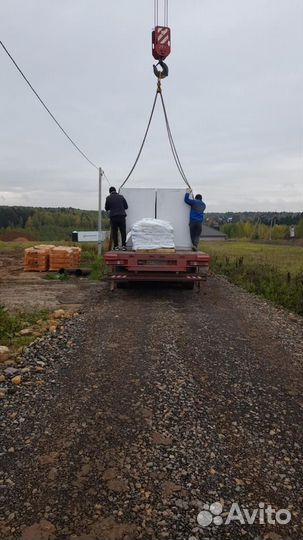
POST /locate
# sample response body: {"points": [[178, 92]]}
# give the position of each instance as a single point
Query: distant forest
{"points": [[59, 223], [47, 223], [257, 225], [215, 219]]}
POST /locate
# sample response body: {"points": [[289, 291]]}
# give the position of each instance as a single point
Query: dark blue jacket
{"points": [[197, 208], [116, 205]]}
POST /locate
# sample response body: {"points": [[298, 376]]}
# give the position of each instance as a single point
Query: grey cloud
{"points": [[233, 97]]}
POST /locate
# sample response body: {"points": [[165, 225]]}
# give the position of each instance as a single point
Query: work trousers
{"points": [[195, 228], [118, 223]]}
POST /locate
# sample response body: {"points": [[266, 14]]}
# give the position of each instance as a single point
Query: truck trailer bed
{"points": [[188, 267]]}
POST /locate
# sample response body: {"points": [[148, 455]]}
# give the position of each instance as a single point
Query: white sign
{"points": [[90, 236]]}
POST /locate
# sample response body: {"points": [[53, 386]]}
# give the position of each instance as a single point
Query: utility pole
{"points": [[100, 212]]}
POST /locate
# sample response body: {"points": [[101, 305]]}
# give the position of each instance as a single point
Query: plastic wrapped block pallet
{"points": [[36, 260], [152, 234]]}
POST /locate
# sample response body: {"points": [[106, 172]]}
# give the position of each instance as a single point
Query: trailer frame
{"points": [[188, 267]]}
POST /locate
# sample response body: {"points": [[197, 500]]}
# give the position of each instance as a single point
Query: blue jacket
{"points": [[197, 208]]}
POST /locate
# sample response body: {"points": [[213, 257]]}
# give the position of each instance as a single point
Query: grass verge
{"points": [[275, 272], [12, 324], [91, 259]]}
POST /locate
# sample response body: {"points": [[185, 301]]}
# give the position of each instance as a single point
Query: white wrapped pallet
{"points": [[149, 234]]}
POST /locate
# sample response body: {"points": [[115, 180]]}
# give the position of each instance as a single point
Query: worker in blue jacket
{"points": [[196, 217]]}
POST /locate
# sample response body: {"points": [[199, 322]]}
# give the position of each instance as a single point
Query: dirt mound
{"points": [[12, 236]]}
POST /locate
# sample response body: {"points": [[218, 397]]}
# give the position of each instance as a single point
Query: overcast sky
{"points": [[233, 96]]}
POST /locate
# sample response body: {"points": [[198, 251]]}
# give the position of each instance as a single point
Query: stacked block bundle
{"points": [[42, 258], [36, 260], [152, 235], [64, 257]]}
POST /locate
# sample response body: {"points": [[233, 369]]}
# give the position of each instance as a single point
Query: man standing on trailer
{"points": [[116, 205], [196, 217]]}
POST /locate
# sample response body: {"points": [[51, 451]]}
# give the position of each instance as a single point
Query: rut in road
{"points": [[164, 400]]}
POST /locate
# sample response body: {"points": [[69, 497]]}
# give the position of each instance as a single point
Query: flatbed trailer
{"points": [[187, 267]]}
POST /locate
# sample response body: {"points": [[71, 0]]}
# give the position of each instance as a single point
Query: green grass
{"points": [[52, 276], [11, 324], [91, 259], [8, 247], [273, 271]]}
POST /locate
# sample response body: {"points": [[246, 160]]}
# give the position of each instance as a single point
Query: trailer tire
{"points": [[122, 285], [188, 286]]}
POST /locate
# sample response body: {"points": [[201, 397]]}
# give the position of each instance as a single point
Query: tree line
{"points": [[215, 219], [59, 223], [260, 231], [48, 223]]}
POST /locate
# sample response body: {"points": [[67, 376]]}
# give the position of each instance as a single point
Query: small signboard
{"points": [[88, 236]]}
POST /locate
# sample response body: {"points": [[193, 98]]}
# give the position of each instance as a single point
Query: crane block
{"points": [[161, 44]]}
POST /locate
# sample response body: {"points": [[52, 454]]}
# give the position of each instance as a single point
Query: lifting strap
{"points": [[170, 138]]}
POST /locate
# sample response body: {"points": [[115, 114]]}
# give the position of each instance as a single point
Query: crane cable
{"points": [[170, 138], [143, 142], [49, 112], [159, 91], [156, 13], [173, 146], [165, 12]]}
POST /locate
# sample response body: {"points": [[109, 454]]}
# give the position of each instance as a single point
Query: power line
{"points": [[106, 178], [47, 109]]}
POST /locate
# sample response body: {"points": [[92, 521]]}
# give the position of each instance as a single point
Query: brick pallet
{"points": [[36, 260], [64, 257], [42, 258]]}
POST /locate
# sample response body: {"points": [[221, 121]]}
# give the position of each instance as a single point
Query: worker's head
{"points": [[198, 197], [112, 189]]}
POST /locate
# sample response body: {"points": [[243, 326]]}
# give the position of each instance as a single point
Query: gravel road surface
{"points": [[149, 405]]}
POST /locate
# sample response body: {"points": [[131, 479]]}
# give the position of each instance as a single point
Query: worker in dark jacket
{"points": [[116, 205], [196, 218]]}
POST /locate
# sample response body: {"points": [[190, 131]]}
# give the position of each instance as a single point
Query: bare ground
{"points": [[30, 291], [154, 402]]}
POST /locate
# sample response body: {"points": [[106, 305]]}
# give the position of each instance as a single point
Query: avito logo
{"points": [[264, 514]]}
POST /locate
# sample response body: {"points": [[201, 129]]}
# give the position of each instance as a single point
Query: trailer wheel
{"points": [[112, 285], [189, 286], [122, 285]]}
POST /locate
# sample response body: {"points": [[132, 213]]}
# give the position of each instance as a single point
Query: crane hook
{"points": [[161, 74]]}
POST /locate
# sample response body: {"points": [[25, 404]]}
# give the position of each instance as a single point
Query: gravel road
{"points": [[149, 405]]}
